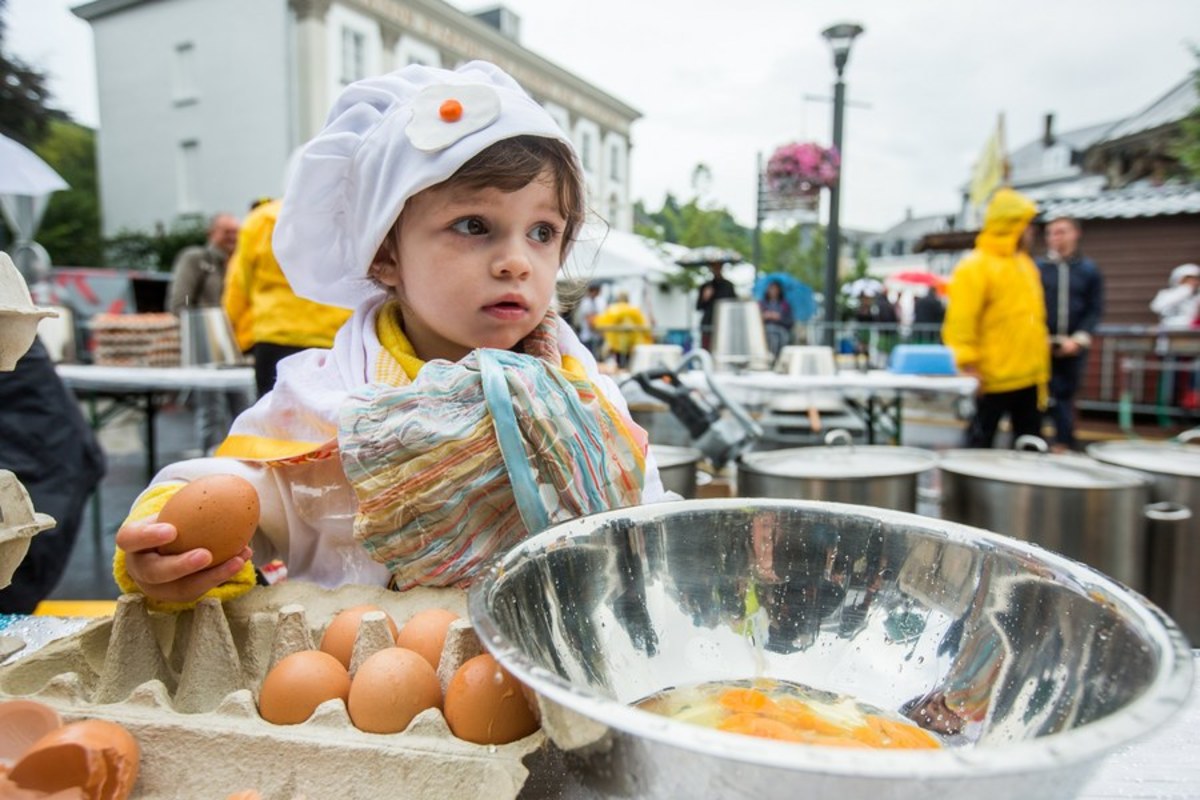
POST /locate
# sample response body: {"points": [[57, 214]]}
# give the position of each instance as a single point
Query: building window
{"points": [[614, 170], [188, 176], [183, 73], [585, 151], [353, 55]]}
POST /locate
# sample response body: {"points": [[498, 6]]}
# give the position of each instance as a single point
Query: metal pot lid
{"points": [[1065, 471], [667, 456], [834, 463], [1162, 458]]}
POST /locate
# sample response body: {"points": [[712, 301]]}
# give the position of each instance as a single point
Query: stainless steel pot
{"points": [[677, 467], [1052, 664], [1071, 504], [1174, 532], [875, 475]]}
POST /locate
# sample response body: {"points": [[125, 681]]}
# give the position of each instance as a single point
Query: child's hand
{"points": [[180, 578]]}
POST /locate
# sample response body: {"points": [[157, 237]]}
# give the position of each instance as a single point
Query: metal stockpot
{"points": [[677, 468], [884, 477], [1071, 504], [1174, 531]]}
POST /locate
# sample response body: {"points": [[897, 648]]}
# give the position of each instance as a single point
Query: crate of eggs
{"points": [[136, 340], [297, 691]]}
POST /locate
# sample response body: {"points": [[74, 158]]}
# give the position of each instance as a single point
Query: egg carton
{"points": [[18, 524], [185, 685]]}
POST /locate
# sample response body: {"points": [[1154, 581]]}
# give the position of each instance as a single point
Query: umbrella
{"points": [[863, 286], [704, 256], [915, 277], [25, 183], [23, 173], [797, 293]]}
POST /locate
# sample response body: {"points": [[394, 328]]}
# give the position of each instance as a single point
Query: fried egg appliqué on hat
{"points": [[443, 114]]}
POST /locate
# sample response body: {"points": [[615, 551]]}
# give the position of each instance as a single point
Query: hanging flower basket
{"points": [[802, 169]]}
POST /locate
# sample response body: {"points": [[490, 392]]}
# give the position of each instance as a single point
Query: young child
{"points": [[440, 206]]}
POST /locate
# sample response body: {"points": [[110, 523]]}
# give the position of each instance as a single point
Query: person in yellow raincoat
{"points": [[996, 322], [268, 318], [624, 327]]}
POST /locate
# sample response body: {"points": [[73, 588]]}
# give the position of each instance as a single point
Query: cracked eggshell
{"points": [[23, 722], [100, 757]]}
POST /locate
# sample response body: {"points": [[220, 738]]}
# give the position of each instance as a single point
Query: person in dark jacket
{"points": [[719, 288], [47, 444], [1074, 290]]}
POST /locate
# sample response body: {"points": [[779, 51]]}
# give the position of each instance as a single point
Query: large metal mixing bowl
{"points": [[1043, 664]]}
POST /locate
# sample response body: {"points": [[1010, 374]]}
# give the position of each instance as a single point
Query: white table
{"points": [[90, 377], [143, 389], [875, 396]]}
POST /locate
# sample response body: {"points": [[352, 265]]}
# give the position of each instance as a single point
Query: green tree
{"points": [[155, 251], [70, 230], [1187, 149], [25, 111]]}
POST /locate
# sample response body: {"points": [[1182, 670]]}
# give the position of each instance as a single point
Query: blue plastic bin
{"points": [[922, 359]]}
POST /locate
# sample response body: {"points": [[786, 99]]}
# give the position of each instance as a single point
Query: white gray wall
{"points": [[232, 104]]}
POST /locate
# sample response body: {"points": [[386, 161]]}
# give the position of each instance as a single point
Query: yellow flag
{"points": [[991, 170]]}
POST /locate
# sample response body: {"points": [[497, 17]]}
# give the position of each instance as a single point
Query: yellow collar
{"points": [[398, 362]]}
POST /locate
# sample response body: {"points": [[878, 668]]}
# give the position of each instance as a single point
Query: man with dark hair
{"points": [[1074, 292]]}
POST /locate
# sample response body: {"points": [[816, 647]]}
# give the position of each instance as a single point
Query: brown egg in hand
{"points": [[486, 705], [425, 633], [216, 512], [339, 636], [298, 684], [390, 688]]}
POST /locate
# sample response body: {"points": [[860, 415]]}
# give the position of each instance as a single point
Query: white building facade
{"points": [[203, 101]]}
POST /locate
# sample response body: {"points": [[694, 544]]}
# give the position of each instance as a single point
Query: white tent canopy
{"points": [[603, 254]]}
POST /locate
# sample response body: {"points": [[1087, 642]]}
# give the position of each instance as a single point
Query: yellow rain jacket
{"points": [[627, 327], [260, 301], [996, 315]]}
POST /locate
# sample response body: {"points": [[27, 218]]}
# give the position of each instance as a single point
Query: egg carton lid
{"points": [[140, 669]]}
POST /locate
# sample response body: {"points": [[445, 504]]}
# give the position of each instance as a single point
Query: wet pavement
{"points": [[930, 423]]}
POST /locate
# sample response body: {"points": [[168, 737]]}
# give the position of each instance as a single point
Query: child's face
{"points": [[477, 266]]}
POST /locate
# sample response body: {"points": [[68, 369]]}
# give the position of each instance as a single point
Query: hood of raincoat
{"points": [[1007, 216]]}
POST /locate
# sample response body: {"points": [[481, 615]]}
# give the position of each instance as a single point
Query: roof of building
{"points": [[1137, 200], [1027, 164], [1171, 107], [911, 229]]}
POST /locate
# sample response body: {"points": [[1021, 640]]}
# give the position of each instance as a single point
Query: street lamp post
{"points": [[840, 38]]}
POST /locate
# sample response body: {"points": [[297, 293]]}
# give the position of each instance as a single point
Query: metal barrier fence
{"points": [[1132, 369]]}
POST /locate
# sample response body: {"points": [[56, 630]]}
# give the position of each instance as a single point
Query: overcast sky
{"points": [[718, 82]]}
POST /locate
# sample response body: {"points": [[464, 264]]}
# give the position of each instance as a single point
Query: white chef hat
{"points": [[386, 139], [1184, 271]]}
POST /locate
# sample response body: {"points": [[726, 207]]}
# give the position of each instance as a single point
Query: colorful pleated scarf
{"points": [[471, 457]]}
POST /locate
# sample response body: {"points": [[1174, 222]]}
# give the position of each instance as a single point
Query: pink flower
{"points": [[802, 168]]}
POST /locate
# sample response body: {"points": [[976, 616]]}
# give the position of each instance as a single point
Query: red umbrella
{"points": [[916, 277]]}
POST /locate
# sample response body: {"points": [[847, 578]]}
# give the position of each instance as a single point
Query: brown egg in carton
{"points": [[185, 685]]}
